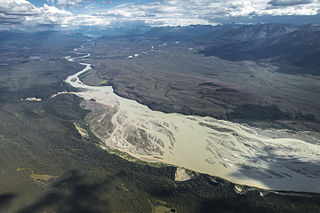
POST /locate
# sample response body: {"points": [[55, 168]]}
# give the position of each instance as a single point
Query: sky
{"points": [[27, 14]]}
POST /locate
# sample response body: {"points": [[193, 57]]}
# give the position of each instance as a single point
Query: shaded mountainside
{"points": [[296, 48]]}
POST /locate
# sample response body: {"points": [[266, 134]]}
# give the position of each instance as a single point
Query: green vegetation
{"points": [[47, 166], [43, 140], [257, 112], [130, 158]]}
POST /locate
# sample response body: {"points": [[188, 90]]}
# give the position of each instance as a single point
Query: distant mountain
{"points": [[295, 48], [48, 34], [43, 41], [182, 33], [114, 31], [233, 32], [257, 32]]}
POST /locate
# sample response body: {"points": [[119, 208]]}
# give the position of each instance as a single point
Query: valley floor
{"points": [[270, 159]]}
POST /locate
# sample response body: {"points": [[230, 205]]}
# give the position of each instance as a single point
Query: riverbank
{"points": [[240, 154]]}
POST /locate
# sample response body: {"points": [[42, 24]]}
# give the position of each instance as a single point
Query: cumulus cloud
{"points": [[68, 3], [289, 2], [17, 7], [186, 12], [14, 12], [159, 13], [48, 15], [17, 13], [23, 12]]}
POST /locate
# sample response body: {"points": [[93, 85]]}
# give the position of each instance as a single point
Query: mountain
{"points": [[296, 49], [293, 48], [43, 41]]}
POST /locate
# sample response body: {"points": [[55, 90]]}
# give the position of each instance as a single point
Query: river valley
{"points": [[269, 159]]}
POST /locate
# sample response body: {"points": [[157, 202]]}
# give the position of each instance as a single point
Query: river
{"points": [[238, 153]]}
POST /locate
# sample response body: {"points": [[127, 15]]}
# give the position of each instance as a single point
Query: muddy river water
{"points": [[241, 154]]}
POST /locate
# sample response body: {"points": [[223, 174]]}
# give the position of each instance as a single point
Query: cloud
{"points": [[68, 3], [23, 14], [155, 13], [17, 7], [13, 13], [159, 13], [186, 12], [48, 15], [285, 3]]}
